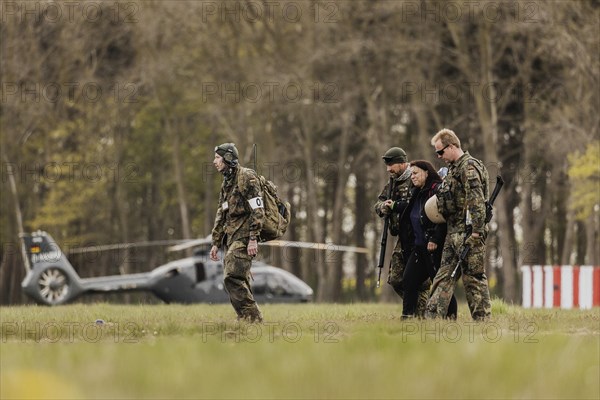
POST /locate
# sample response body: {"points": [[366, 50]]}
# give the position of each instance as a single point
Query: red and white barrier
{"points": [[563, 286]]}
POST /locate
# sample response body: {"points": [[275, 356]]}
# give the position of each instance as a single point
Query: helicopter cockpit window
{"points": [[200, 272], [259, 284], [278, 285]]}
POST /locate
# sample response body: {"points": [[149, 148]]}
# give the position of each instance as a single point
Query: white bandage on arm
{"points": [[256, 202]]}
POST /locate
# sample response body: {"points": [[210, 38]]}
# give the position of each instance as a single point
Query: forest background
{"points": [[110, 112]]}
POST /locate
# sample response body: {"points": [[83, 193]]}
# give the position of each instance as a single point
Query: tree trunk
{"points": [[581, 243], [10, 271], [180, 180], [341, 179], [591, 231], [424, 149], [209, 195], [121, 203], [291, 255], [312, 210], [567, 249], [360, 206]]}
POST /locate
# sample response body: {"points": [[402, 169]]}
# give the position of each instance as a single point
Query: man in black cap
{"points": [[398, 167], [237, 227]]}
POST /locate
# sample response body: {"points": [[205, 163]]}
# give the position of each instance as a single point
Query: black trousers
{"points": [[419, 267]]}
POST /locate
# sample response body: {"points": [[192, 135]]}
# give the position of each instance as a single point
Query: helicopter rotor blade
{"points": [[316, 246], [186, 244], [123, 246], [178, 245]]}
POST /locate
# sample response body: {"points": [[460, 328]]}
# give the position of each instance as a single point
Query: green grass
{"points": [[301, 351]]}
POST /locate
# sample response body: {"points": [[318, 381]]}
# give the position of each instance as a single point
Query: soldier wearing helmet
{"points": [[395, 207], [238, 222]]}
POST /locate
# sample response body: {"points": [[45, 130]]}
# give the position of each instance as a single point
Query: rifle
{"points": [[488, 217], [384, 235]]}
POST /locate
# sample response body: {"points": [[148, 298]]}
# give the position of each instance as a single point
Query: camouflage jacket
{"points": [[463, 194], [240, 213], [401, 196]]}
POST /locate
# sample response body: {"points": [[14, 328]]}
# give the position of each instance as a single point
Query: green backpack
{"points": [[277, 212]]}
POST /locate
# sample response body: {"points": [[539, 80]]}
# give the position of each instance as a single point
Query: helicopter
{"points": [[52, 280]]}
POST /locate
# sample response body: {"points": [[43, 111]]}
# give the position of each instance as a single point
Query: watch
{"points": [[252, 238]]}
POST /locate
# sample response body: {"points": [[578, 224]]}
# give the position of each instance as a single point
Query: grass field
{"points": [[301, 351]]}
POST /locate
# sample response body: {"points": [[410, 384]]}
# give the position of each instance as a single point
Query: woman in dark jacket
{"points": [[426, 254]]}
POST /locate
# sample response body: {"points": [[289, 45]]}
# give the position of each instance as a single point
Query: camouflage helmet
{"points": [[395, 155], [229, 153]]}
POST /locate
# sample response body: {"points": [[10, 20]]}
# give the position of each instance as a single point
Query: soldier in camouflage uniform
{"points": [[461, 200], [397, 165], [237, 227]]}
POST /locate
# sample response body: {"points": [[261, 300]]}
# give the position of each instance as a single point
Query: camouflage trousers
{"points": [[237, 265], [395, 278], [473, 277]]}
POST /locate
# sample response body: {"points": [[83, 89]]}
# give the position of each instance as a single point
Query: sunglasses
{"points": [[441, 151]]}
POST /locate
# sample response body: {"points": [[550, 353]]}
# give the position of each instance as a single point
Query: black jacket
{"points": [[435, 233]]}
